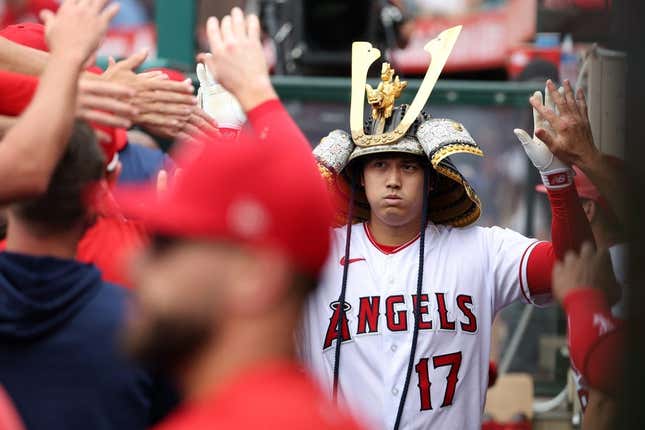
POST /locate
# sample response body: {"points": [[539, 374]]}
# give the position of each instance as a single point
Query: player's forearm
{"points": [[610, 179], [21, 59], [569, 230], [31, 149], [596, 339], [569, 225]]}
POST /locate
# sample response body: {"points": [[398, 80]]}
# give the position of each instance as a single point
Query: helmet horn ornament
{"points": [[363, 55]]}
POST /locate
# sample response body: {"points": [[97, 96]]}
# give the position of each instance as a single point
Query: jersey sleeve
{"points": [[596, 339], [508, 255]]}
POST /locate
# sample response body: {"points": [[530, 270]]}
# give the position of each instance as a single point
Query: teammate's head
{"points": [[605, 225], [231, 261], [393, 184], [63, 208]]}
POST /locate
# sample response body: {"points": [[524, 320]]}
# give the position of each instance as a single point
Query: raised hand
{"points": [[105, 103], [78, 27], [237, 60], [566, 133], [218, 103], [590, 268], [555, 173], [200, 126], [160, 102]]}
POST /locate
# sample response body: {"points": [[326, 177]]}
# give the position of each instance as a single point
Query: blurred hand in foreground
{"points": [[237, 60]]}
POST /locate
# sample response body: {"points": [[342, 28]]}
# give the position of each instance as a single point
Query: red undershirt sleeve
{"points": [[569, 230], [596, 339]]}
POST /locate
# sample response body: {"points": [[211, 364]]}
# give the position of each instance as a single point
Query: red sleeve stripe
{"points": [[524, 284]]}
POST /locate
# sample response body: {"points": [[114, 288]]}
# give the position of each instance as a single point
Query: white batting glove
{"points": [[555, 174], [221, 105]]}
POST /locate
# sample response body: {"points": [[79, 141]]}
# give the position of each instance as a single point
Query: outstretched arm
{"points": [[569, 227], [596, 338], [608, 176], [30, 150], [21, 59], [237, 63]]}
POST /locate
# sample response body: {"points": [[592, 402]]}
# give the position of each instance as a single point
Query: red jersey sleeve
{"points": [[569, 230], [596, 339]]}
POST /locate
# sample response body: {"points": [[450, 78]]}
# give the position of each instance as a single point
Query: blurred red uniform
{"points": [[25, 11], [283, 397]]}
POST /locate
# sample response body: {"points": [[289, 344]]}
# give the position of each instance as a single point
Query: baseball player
{"points": [[596, 335], [586, 285], [400, 326]]}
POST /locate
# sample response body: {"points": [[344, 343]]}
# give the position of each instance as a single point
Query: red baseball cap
{"points": [[247, 192], [31, 34]]}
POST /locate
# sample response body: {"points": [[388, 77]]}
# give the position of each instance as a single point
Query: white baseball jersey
{"points": [[469, 275]]}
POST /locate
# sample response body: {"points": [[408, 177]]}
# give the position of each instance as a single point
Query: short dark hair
{"points": [[62, 206]]}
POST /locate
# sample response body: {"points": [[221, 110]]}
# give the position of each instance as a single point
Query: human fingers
{"points": [[193, 131], [214, 34], [104, 88], [166, 97], [169, 86], [543, 110], [238, 23], [155, 74], [228, 37], [581, 102], [175, 109], [134, 60], [569, 96], [201, 118], [253, 27], [156, 120], [537, 118], [109, 13], [558, 99], [104, 118], [108, 104]]}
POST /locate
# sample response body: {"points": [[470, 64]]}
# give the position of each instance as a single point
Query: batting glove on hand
{"points": [[334, 150], [221, 105], [555, 173]]}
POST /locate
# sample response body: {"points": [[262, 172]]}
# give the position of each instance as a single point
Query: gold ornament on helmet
{"points": [[363, 55], [405, 129]]}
